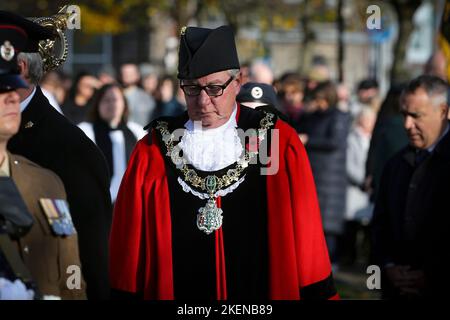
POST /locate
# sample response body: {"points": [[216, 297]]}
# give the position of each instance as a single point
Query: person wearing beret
{"points": [[254, 95], [50, 247], [200, 215], [49, 139], [263, 97]]}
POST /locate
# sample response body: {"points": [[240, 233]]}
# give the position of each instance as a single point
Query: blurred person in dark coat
{"points": [[49, 139], [77, 105], [324, 133], [388, 138], [167, 104], [410, 223]]}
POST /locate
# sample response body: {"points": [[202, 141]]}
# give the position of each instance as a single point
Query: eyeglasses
{"points": [[212, 90]]}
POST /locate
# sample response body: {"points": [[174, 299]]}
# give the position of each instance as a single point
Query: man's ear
{"points": [[238, 84], [444, 110], [23, 67]]}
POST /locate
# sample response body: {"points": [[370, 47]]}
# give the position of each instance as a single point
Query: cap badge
{"points": [[29, 125], [256, 92], [7, 51]]}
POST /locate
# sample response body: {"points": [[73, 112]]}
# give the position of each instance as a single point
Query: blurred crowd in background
{"points": [[349, 132]]}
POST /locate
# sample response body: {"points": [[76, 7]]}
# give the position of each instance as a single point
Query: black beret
{"points": [[12, 40], [257, 92], [34, 31], [204, 51]]}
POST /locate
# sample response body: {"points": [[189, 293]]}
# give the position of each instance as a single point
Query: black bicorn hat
{"points": [[34, 31], [204, 51], [12, 41], [260, 93]]}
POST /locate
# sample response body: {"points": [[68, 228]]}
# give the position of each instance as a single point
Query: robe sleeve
{"points": [[140, 242], [299, 253]]}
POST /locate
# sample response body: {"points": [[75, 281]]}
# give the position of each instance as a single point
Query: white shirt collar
{"points": [[4, 167], [24, 103], [431, 148]]}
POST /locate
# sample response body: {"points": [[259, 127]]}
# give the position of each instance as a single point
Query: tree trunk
{"points": [[340, 53], [306, 32], [183, 11], [405, 13]]}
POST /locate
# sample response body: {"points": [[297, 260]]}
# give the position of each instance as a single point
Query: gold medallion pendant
{"points": [[209, 217]]}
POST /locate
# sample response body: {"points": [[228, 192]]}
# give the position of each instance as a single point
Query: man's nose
{"points": [[408, 122], [203, 97], [13, 97]]}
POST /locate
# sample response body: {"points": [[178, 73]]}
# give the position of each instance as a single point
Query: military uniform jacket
{"points": [[47, 138], [45, 254]]}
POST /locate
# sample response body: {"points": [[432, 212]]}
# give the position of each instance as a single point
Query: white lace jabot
{"points": [[211, 149]]}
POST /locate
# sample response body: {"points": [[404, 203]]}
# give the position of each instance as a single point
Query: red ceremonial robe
{"points": [[140, 242]]}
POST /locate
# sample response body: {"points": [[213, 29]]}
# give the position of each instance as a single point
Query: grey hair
{"points": [[34, 62], [231, 72], [234, 72], [435, 87]]}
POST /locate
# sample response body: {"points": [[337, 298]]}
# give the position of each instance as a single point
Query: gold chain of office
{"points": [[212, 183]]}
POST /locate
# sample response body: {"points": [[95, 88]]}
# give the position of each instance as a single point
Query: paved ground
{"points": [[351, 283]]}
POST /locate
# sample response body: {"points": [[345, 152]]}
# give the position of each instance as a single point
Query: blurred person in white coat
{"points": [[359, 210]]}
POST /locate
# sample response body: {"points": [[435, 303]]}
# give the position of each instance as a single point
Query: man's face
{"points": [[293, 96], [130, 74], [112, 106], [212, 111], [9, 114], [423, 121], [366, 95]]}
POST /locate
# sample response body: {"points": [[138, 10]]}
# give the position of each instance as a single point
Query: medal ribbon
{"points": [[221, 279]]}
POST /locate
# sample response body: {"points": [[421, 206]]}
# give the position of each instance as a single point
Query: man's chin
{"points": [[416, 144], [208, 120], [7, 134]]}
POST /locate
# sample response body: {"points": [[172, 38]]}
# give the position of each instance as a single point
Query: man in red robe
{"points": [[201, 213]]}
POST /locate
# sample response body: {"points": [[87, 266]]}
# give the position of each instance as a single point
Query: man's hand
{"points": [[409, 282], [367, 184], [398, 276], [417, 280]]}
